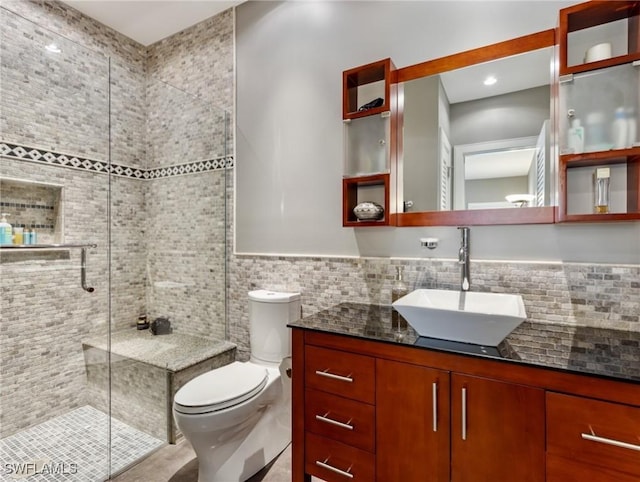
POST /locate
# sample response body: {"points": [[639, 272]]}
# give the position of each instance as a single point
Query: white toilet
{"points": [[238, 417]]}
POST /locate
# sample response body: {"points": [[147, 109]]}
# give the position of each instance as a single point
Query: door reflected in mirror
{"points": [[478, 137]]}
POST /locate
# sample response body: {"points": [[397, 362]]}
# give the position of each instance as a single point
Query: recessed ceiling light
{"points": [[53, 48], [490, 80]]}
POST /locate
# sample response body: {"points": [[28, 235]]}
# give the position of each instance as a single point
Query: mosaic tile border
{"points": [[51, 158]]}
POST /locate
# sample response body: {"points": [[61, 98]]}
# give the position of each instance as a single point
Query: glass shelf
{"points": [[43, 247]]}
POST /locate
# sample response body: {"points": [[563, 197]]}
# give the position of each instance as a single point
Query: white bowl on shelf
{"points": [[598, 52]]}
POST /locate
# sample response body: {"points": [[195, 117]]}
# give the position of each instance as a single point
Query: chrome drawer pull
{"points": [[325, 465], [327, 374], [324, 418], [434, 394], [608, 441], [464, 414]]}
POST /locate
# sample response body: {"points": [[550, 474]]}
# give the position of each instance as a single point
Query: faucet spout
{"points": [[464, 260]]}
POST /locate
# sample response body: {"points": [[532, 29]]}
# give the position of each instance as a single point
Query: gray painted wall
{"points": [[290, 57]]}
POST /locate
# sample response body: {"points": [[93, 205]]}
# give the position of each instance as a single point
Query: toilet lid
{"points": [[221, 388]]}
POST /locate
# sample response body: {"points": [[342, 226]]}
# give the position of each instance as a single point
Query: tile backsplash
{"points": [[574, 294]]}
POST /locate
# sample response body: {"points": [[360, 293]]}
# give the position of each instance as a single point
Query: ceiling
{"points": [[514, 73], [148, 21]]}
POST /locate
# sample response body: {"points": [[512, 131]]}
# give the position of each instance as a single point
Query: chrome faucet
{"points": [[463, 259]]}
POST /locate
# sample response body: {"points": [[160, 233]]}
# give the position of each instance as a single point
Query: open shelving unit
{"points": [[369, 140], [591, 89]]}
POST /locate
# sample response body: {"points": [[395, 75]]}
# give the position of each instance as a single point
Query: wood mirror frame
{"points": [[477, 217]]}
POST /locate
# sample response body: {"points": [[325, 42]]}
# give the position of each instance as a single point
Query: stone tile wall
{"points": [[47, 312], [186, 252], [199, 60], [127, 77], [605, 296]]}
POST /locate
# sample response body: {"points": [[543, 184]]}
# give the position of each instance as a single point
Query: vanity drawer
{"points": [[340, 419], [560, 469], [345, 374], [598, 433], [336, 462]]}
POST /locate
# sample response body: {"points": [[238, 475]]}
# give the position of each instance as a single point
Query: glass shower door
{"points": [[54, 276]]}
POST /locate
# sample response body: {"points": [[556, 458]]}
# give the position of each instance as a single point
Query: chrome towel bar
{"points": [[61, 246]]}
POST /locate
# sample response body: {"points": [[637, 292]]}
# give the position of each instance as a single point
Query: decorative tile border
{"points": [[42, 156]]}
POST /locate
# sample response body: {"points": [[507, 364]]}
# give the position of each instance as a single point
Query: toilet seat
{"points": [[221, 388]]}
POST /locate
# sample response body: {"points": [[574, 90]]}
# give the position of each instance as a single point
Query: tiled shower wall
{"points": [[167, 197]]}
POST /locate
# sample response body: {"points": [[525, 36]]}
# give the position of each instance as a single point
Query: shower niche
{"points": [[35, 206]]}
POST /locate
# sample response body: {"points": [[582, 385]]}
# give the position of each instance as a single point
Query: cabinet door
{"points": [[497, 431], [594, 433], [412, 423]]}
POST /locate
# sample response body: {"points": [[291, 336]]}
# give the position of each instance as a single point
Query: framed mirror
{"points": [[475, 142]]}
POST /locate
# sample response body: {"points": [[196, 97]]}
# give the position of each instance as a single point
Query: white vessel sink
{"points": [[480, 318]]}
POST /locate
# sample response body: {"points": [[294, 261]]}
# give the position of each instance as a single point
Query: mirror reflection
{"points": [[478, 137]]}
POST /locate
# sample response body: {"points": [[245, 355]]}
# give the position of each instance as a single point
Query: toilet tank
{"points": [[269, 313]]}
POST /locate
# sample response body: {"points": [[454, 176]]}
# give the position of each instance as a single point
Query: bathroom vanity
{"points": [[551, 402]]}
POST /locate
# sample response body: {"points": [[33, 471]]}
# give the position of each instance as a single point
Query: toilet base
{"points": [[262, 445], [246, 443]]}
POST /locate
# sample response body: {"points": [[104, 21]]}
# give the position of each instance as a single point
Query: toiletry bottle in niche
{"points": [[142, 323], [18, 235], [601, 187], [6, 232], [398, 290]]}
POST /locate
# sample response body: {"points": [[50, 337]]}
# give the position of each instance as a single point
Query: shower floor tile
{"points": [[72, 447]]}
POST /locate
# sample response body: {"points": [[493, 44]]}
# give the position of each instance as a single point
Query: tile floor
{"points": [[72, 447], [177, 463]]}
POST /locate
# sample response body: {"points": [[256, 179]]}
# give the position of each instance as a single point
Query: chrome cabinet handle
{"points": [[434, 396], [328, 374], [464, 414], [325, 465], [608, 441], [326, 419]]}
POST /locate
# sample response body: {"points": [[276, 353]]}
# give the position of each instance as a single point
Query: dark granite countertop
{"points": [[585, 350]]}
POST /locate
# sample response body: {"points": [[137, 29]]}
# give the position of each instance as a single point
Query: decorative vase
{"points": [[368, 211]]}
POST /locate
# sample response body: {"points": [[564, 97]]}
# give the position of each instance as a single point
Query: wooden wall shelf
{"points": [[629, 157], [351, 197], [594, 14], [354, 79]]}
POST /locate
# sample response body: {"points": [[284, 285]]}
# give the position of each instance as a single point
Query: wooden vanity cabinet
{"points": [[497, 430], [591, 440], [438, 426], [419, 415], [409, 422], [412, 422]]}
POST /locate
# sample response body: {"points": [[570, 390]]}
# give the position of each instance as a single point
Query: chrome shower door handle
{"points": [[83, 271]]}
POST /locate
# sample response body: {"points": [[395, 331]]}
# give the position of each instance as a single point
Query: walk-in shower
{"points": [[124, 179]]}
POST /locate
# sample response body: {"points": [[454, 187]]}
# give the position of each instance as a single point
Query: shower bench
{"points": [[146, 372]]}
